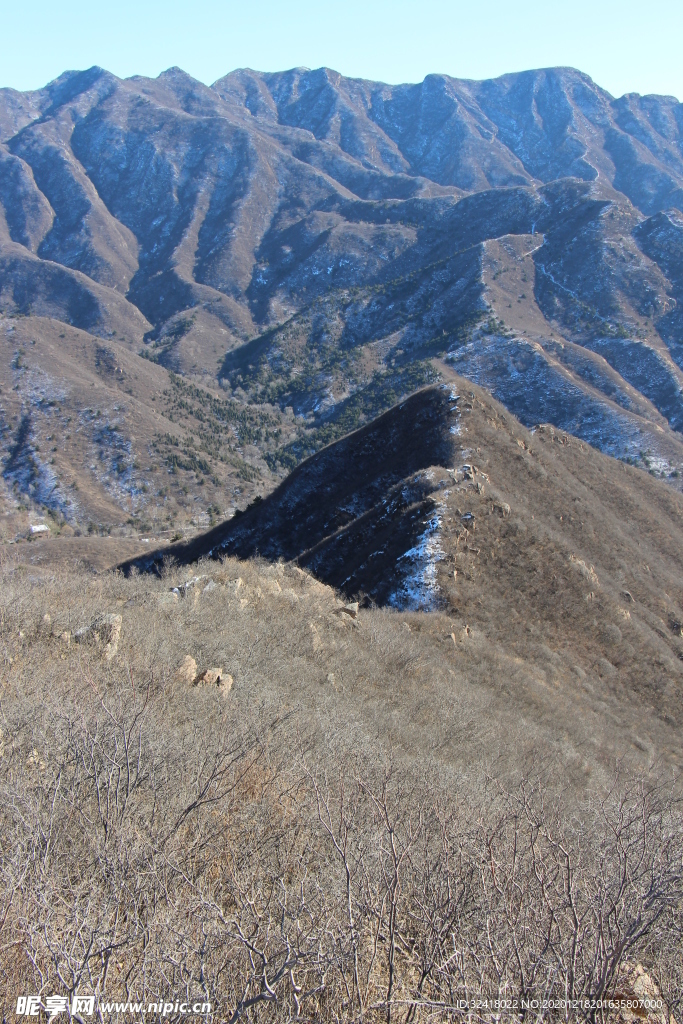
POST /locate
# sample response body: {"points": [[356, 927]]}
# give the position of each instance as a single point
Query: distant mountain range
{"points": [[310, 245]]}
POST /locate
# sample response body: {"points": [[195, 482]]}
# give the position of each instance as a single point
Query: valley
{"points": [[281, 258]]}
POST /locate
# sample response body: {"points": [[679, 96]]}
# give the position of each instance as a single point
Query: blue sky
{"points": [[625, 47]]}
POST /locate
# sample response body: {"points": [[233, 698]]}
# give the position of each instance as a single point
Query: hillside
{"points": [[353, 512], [236, 752], [300, 246], [183, 822], [341, 616], [548, 567]]}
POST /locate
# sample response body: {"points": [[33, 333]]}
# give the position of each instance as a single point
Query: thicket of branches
{"points": [[142, 858]]}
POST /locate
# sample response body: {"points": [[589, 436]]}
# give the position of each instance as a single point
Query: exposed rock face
{"points": [[321, 237], [187, 674], [214, 677], [105, 632], [640, 998], [187, 670]]}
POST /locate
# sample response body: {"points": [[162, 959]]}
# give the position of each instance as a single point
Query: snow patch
{"points": [[419, 589]]}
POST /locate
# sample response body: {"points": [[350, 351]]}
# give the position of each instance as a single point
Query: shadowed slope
{"points": [[353, 512]]}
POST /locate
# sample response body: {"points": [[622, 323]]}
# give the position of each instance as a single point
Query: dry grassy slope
{"points": [[584, 576], [565, 599], [386, 683], [97, 438], [383, 691]]}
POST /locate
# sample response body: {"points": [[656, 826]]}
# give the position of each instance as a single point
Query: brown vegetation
{"points": [[171, 344], [307, 844], [554, 579], [230, 781]]}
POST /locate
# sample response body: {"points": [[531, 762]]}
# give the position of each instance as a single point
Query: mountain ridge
{"points": [[530, 543], [307, 242]]}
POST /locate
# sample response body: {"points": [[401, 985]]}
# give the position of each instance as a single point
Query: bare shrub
{"points": [[217, 865], [156, 840]]}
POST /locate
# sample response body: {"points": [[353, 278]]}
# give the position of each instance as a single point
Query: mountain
{"points": [[555, 564], [506, 716], [343, 380], [278, 258], [358, 514]]}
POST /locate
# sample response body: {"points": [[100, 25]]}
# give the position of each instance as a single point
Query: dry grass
{"points": [[322, 841], [387, 813]]}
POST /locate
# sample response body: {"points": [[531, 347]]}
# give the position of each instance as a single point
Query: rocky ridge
{"points": [[305, 245]]}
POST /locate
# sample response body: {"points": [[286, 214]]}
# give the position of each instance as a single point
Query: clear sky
{"points": [[625, 46]]}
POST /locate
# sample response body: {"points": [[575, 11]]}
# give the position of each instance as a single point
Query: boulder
{"points": [[187, 670], [111, 628], [209, 677], [214, 677], [184, 588], [104, 631], [461, 635]]}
